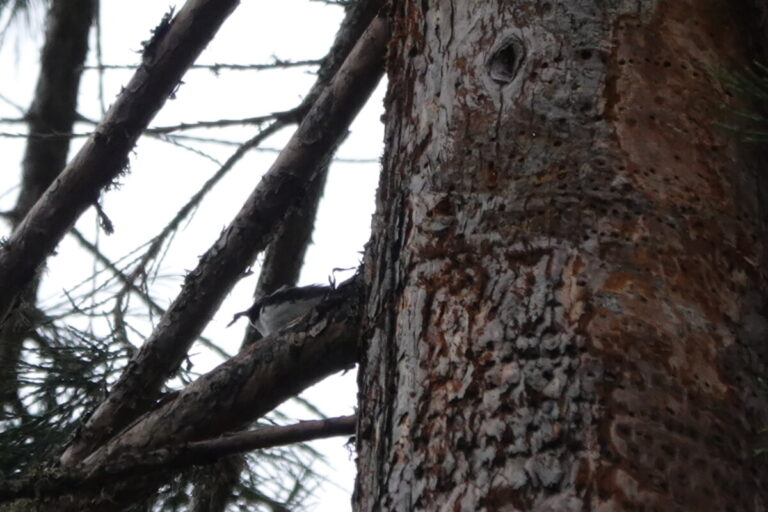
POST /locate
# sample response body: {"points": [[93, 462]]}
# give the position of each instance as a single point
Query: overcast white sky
{"points": [[163, 176]]}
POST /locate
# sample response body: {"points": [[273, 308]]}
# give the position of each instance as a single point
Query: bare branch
{"points": [[356, 21], [56, 483], [284, 257], [105, 154], [222, 265], [252, 383], [220, 123], [158, 241], [216, 67], [197, 197], [158, 130], [269, 437], [237, 392]]}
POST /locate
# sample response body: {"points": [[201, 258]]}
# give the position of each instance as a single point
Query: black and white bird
{"points": [[278, 309]]}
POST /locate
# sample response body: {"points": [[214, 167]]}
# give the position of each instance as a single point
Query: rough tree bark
{"points": [[567, 307]]}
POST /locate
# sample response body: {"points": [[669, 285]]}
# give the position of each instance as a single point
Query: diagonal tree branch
{"points": [[56, 483], [235, 393], [252, 383], [284, 257], [266, 437], [222, 265], [197, 197], [105, 154], [356, 21]]}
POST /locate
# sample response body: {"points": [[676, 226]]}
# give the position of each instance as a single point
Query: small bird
{"points": [[278, 309]]}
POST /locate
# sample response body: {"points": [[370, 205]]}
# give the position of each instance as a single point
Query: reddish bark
{"points": [[567, 307]]}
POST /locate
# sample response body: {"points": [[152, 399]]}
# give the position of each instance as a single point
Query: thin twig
{"points": [[128, 283], [218, 123], [277, 64]]}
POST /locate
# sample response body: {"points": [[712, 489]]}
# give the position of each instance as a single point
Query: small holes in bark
{"points": [[505, 60]]}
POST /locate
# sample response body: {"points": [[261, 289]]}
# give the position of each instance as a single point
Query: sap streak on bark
{"points": [[564, 266]]}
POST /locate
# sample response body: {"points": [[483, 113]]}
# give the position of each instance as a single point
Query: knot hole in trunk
{"points": [[506, 59]]}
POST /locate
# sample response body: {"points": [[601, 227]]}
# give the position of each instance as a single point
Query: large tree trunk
{"points": [[567, 309]]}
